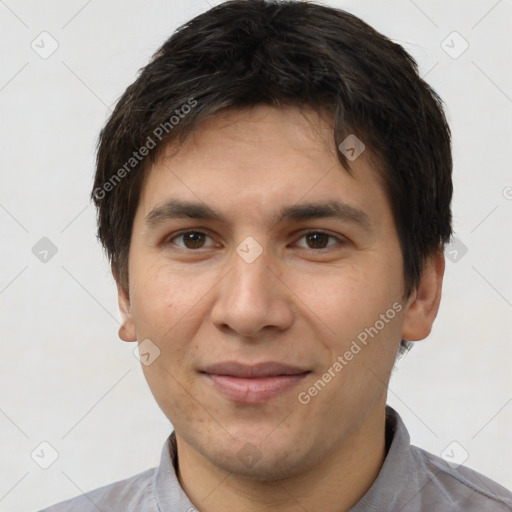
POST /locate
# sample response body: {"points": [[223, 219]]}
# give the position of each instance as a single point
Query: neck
{"points": [[337, 483]]}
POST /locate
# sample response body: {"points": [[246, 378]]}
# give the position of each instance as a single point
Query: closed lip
{"points": [[258, 370], [253, 383]]}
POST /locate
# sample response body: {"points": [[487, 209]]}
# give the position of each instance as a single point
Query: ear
{"points": [[127, 330], [423, 304]]}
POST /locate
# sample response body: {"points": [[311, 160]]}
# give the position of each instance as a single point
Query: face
{"points": [[270, 280]]}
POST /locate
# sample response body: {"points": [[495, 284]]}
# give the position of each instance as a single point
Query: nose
{"points": [[252, 299]]}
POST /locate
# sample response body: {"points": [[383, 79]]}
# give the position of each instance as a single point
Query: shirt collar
{"points": [[398, 472], [168, 491]]}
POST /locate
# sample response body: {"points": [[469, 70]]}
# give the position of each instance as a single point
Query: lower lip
{"points": [[254, 390]]}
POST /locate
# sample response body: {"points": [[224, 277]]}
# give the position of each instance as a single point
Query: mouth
{"points": [[253, 384]]}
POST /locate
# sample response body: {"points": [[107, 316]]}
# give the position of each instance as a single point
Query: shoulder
{"points": [[461, 487], [129, 495]]}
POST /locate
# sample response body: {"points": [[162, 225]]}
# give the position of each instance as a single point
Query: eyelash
{"points": [[340, 240]]}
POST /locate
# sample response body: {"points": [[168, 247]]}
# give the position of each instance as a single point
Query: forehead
{"points": [[264, 156], [259, 131]]}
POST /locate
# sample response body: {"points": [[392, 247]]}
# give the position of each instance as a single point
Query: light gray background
{"points": [[65, 376]]}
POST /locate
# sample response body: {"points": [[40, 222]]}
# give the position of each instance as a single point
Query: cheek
{"points": [[160, 297], [163, 311], [173, 391], [346, 303], [154, 303], [344, 300], [169, 310]]}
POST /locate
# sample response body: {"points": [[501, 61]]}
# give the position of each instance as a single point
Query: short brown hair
{"points": [[243, 53]]}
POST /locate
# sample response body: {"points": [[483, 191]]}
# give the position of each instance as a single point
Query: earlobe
{"points": [[423, 304], [127, 330]]}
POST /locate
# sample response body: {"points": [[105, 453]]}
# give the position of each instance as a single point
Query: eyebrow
{"points": [[178, 209]]}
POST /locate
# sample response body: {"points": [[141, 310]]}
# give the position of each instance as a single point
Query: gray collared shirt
{"points": [[410, 480]]}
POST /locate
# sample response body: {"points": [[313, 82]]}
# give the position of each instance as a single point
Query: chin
{"points": [[263, 462], [269, 468]]}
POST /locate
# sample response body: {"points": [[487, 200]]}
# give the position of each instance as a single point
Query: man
{"points": [[273, 192]]}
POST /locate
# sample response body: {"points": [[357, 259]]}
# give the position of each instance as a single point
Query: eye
{"points": [[318, 240], [191, 240]]}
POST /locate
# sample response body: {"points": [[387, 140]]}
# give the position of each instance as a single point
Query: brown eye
{"points": [[317, 240], [194, 240], [190, 240]]}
